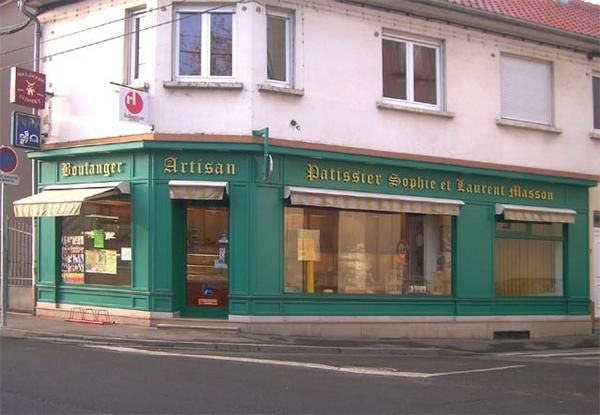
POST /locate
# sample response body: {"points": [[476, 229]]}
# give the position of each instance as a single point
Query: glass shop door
{"points": [[207, 262]]}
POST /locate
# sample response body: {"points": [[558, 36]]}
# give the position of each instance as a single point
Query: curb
{"points": [[226, 346], [384, 348]]}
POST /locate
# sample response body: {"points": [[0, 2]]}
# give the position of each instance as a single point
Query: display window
{"points": [[336, 251], [96, 244], [529, 259]]}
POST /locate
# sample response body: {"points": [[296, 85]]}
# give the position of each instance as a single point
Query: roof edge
{"points": [[489, 21]]}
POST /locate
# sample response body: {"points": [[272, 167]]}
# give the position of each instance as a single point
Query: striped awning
{"points": [[535, 214], [197, 190], [66, 200], [307, 196]]}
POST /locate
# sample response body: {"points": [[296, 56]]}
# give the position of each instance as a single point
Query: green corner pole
{"points": [[268, 161]]}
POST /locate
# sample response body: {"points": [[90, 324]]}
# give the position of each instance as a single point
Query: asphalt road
{"points": [[49, 378]]}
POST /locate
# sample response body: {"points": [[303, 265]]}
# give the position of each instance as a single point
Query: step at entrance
{"points": [[197, 324]]}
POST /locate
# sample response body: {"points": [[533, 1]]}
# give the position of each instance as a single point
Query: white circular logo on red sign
{"points": [[134, 102]]}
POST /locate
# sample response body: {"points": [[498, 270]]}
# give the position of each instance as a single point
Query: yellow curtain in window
{"points": [[528, 267]]}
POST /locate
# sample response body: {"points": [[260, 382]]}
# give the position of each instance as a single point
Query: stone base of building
{"points": [[391, 327], [116, 315], [488, 327], [20, 299]]}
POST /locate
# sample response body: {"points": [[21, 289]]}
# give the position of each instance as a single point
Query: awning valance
{"points": [[308, 196], [535, 214], [66, 200], [197, 190]]}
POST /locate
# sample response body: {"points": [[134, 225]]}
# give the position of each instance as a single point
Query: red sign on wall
{"points": [[27, 88], [133, 106]]}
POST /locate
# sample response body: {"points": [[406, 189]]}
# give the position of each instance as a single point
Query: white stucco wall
{"points": [[338, 64]]}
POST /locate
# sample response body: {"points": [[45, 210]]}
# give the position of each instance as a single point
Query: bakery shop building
{"points": [[314, 242]]}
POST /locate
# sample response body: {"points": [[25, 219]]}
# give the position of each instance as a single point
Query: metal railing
{"points": [[19, 259]]}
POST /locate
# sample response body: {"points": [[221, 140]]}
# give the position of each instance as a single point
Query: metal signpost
{"points": [[8, 164]]}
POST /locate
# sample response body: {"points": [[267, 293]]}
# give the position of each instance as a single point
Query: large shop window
{"points": [[368, 247], [96, 244], [530, 250]]}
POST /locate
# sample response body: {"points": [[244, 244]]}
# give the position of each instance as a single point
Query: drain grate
{"points": [[512, 334]]}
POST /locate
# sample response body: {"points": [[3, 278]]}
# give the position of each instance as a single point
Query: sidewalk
{"points": [[227, 337]]}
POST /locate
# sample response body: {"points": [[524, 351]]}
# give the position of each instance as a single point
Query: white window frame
{"points": [[410, 42], [205, 44], [550, 65], [595, 75], [133, 37], [288, 15]]}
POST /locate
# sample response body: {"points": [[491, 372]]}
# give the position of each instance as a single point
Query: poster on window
{"points": [[73, 277], [101, 261], [309, 248], [72, 258]]}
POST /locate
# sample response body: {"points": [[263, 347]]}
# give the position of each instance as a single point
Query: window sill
{"points": [[528, 126], [203, 85], [280, 90], [414, 110], [595, 134]]}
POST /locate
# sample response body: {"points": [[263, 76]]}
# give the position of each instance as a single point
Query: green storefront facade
{"points": [[257, 234]]}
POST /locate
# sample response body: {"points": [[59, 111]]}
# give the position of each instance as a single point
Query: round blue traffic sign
{"points": [[8, 160]]}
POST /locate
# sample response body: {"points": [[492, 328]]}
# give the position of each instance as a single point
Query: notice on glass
{"points": [[73, 277], [98, 238], [309, 248], [126, 254], [101, 261]]}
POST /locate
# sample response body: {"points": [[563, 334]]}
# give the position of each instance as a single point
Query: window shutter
{"points": [[526, 90]]}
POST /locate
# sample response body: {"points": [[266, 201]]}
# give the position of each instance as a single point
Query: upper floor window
{"points": [[204, 43], [138, 45], [596, 100], [279, 47], [412, 71], [526, 89]]}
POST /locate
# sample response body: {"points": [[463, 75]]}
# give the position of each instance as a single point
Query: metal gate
{"points": [[19, 259]]}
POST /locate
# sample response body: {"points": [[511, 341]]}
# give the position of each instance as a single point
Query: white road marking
{"points": [[320, 366], [553, 354], [565, 354]]}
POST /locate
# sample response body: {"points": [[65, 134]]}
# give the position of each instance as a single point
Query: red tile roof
{"points": [[572, 15]]}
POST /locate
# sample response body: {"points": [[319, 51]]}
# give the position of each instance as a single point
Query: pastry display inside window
{"points": [[360, 252]]}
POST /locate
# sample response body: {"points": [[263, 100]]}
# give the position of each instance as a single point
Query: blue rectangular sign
{"points": [[26, 131]]}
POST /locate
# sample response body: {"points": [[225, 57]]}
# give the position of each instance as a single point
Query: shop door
{"points": [[207, 262]]}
